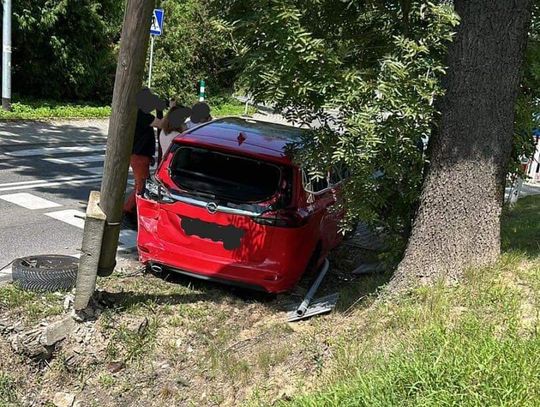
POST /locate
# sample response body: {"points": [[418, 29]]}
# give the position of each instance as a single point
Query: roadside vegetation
{"points": [[49, 109], [175, 341]]}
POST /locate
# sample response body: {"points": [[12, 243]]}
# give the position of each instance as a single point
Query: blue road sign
{"points": [[157, 22]]}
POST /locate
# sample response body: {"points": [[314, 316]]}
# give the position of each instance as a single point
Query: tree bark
{"points": [[458, 221]]}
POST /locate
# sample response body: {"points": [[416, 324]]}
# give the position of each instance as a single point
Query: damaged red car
{"points": [[228, 203]]}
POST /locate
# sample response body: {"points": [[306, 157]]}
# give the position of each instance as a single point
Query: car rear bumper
{"points": [[208, 278], [273, 262], [257, 277]]}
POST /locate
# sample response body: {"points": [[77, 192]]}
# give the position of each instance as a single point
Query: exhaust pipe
{"points": [[156, 268]]}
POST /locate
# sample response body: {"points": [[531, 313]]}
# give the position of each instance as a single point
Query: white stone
{"points": [[62, 399], [57, 331]]}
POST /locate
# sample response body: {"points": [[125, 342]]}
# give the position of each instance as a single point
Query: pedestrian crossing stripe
{"points": [[45, 151], [29, 201]]}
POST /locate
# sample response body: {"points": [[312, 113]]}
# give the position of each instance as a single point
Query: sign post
{"points": [[202, 90], [6, 56], [156, 29]]}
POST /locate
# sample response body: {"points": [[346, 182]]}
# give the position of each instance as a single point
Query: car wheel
{"points": [[45, 273]]}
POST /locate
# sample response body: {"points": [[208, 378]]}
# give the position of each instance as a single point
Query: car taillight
{"points": [[285, 218], [155, 192]]}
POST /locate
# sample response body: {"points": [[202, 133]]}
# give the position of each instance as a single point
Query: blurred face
{"points": [[147, 101], [177, 118], [200, 112], [144, 100]]}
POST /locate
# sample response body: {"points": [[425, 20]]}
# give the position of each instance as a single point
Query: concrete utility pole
{"points": [[6, 55], [129, 78]]}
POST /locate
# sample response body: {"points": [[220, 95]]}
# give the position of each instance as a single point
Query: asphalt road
{"points": [[47, 171]]}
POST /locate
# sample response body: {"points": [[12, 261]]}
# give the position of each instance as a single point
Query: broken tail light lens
{"points": [[155, 192], [285, 218]]}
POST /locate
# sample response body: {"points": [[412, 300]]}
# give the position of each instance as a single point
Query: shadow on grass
{"points": [[126, 300], [520, 229], [353, 290]]}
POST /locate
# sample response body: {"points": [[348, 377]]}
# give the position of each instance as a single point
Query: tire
{"points": [[45, 273]]}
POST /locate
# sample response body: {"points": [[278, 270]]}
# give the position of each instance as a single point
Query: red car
{"points": [[229, 204]]}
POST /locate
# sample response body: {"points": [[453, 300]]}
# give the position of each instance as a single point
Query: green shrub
{"points": [[64, 49], [40, 109], [189, 50]]}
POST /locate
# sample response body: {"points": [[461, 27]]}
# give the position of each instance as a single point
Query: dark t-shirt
{"points": [[144, 142]]}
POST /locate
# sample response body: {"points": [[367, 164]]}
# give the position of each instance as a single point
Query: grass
{"points": [[475, 344], [49, 109], [8, 395], [522, 227], [31, 306], [230, 108], [468, 365], [131, 343]]}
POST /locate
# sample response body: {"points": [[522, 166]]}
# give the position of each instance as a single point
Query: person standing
{"points": [[144, 146], [200, 113], [173, 125]]}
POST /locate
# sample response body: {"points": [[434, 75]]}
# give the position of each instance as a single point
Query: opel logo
{"points": [[211, 207]]}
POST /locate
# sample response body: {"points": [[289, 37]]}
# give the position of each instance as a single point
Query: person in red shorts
{"points": [[144, 146]]}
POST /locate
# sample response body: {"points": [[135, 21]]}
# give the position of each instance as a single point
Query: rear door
{"points": [[323, 198], [217, 196]]}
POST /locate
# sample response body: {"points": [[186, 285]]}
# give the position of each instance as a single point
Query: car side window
{"points": [[315, 185]]}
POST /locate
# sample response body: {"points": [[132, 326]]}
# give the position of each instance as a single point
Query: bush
{"points": [[67, 49], [64, 49], [44, 109], [189, 50]]}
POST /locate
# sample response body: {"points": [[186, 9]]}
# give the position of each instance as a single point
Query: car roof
{"points": [[257, 136]]}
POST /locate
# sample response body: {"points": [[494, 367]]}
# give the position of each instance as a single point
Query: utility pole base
{"points": [[107, 259], [91, 248]]}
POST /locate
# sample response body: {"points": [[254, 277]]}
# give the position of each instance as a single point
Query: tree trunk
{"points": [[458, 221]]}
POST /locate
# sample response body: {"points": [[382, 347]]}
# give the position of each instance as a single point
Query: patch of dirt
{"points": [[173, 341]]}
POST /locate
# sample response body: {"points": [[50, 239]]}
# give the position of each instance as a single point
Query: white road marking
{"points": [[128, 239], [41, 181], [8, 133], [76, 160], [70, 216], [55, 150], [94, 170], [87, 180], [29, 201]]}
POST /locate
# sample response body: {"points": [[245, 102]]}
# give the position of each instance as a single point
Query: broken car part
{"points": [[308, 307]]}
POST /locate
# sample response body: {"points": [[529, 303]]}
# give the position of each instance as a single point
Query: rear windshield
{"points": [[224, 176]]}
